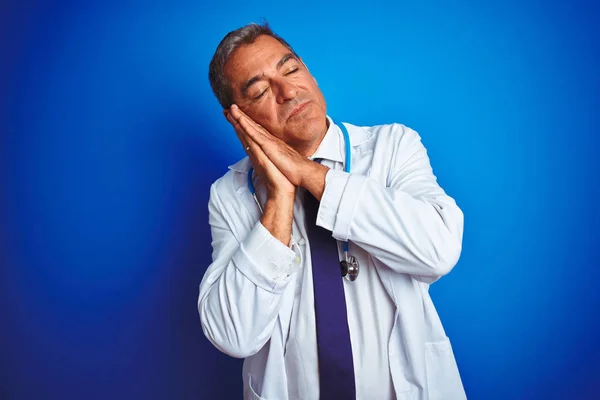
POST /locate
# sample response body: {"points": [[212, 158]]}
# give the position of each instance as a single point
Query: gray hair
{"points": [[231, 42]]}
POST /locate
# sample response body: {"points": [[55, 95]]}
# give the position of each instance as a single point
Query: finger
{"points": [[252, 131], [253, 152], [235, 111], [260, 162], [252, 127], [272, 147], [249, 145], [259, 134], [239, 131]]}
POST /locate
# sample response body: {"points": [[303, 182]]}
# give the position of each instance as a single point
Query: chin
{"points": [[305, 132], [303, 127], [314, 121]]}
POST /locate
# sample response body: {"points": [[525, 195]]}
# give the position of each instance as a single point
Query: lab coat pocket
{"points": [[443, 378], [251, 393]]}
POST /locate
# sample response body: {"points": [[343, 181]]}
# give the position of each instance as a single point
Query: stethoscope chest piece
{"points": [[349, 268]]}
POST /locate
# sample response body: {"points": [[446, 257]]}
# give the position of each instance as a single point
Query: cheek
{"points": [[269, 114], [317, 94], [261, 113], [265, 114]]}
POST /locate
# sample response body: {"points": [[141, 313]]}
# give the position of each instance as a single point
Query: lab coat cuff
{"points": [[335, 182], [265, 260], [347, 198]]}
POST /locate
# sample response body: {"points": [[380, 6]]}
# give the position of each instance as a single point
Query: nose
{"points": [[286, 91]]}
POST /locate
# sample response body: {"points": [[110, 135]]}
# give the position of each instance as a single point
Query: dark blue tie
{"points": [[336, 371]]}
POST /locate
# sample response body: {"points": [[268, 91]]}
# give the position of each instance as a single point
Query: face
{"points": [[276, 90]]}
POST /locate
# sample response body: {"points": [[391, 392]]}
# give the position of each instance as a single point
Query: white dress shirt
{"points": [[256, 298], [370, 309]]}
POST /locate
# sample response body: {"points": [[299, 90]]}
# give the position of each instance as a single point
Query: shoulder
{"points": [[386, 134], [228, 184]]}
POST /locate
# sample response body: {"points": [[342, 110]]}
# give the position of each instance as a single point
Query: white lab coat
{"points": [[397, 219]]}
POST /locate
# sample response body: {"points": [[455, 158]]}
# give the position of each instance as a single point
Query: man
{"points": [[274, 294]]}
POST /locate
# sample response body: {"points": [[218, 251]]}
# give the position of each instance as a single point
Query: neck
{"points": [[308, 149]]}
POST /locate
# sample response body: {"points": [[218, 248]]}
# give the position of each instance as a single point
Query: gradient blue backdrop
{"points": [[110, 138]]}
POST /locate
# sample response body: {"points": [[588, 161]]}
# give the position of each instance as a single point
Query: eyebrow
{"points": [[256, 78], [286, 58]]}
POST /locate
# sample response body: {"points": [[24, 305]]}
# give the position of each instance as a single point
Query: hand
{"points": [[298, 170], [284, 157], [276, 182]]}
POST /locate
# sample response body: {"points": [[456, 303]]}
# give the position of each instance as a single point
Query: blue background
{"points": [[110, 138]]}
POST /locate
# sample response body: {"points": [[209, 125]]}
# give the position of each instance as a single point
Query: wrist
{"points": [[278, 216], [308, 171], [281, 197], [313, 178]]}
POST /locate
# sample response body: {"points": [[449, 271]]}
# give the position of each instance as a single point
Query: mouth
{"points": [[300, 108]]}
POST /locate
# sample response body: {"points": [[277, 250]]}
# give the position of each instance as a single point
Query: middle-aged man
{"points": [[321, 280]]}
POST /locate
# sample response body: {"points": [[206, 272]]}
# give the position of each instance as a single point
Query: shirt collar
{"points": [[332, 145]]}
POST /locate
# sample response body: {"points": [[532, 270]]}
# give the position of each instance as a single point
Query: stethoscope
{"points": [[349, 265]]}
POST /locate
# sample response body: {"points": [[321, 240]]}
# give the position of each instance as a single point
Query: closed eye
{"points": [[292, 71], [261, 94]]}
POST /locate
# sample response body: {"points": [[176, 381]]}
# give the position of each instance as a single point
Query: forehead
{"points": [[255, 58]]}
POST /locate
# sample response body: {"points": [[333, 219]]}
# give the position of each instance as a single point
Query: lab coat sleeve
{"points": [[241, 291], [407, 223]]}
